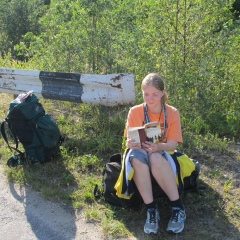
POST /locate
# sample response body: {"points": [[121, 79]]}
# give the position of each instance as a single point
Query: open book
{"points": [[150, 132]]}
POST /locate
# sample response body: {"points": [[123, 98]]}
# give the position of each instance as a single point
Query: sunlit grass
{"points": [[92, 135]]}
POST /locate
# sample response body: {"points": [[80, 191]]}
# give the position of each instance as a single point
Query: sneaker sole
{"points": [[151, 231], [174, 231]]}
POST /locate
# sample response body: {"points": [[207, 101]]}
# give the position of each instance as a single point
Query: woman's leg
{"points": [[142, 180], [164, 175]]}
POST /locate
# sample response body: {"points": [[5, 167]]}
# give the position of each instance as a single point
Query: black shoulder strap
{"points": [[147, 119], [3, 132]]}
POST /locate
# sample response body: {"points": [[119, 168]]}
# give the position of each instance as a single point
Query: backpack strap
{"points": [[3, 132], [146, 117], [17, 159]]}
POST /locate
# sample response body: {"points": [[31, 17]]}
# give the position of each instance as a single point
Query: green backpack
{"points": [[27, 123]]}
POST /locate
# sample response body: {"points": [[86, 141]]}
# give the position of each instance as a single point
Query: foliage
{"points": [[17, 18], [193, 44]]}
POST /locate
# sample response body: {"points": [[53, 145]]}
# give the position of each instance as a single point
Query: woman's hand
{"points": [[150, 147], [155, 147], [133, 145]]}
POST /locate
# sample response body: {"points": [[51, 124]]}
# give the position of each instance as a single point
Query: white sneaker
{"points": [[176, 223], [151, 225]]}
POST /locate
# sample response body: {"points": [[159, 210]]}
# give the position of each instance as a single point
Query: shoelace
{"points": [[175, 215], [152, 216]]}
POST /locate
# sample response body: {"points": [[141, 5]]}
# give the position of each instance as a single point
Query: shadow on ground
{"points": [[206, 218], [47, 219]]}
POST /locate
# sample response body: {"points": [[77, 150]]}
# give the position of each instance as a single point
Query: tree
{"points": [[195, 44], [19, 17]]}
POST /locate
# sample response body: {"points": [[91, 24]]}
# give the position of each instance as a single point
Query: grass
{"points": [[92, 135]]}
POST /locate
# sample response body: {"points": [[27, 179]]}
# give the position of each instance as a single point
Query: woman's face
{"points": [[152, 96]]}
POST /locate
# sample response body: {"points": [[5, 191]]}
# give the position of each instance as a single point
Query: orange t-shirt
{"points": [[173, 131]]}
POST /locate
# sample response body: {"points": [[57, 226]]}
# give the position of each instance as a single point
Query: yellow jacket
{"points": [[125, 186]]}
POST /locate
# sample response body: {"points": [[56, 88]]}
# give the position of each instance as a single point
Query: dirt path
{"points": [[25, 215]]}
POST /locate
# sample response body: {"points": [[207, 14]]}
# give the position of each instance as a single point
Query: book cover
{"points": [[149, 132]]}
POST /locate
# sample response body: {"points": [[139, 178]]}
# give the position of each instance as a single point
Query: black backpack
{"points": [[112, 171], [27, 123], [110, 175]]}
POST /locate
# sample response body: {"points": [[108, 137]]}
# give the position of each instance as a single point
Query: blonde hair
{"points": [[155, 80]]}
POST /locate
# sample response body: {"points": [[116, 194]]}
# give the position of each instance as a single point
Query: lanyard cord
{"points": [[147, 119]]}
